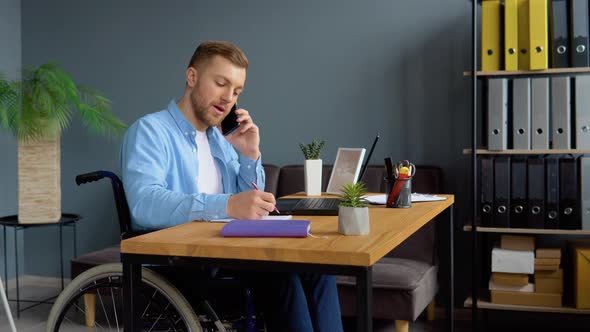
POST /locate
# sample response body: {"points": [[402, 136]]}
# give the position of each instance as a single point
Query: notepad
{"points": [[277, 217], [266, 228]]}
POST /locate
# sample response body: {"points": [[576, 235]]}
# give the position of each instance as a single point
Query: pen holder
{"points": [[398, 192]]}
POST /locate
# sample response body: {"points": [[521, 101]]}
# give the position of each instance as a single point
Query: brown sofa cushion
{"points": [[84, 262], [271, 173], [402, 288]]}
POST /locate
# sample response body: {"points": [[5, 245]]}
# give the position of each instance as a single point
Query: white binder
{"points": [[582, 111], [560, 113], [540, 113], [521, 113], [497, 114]]}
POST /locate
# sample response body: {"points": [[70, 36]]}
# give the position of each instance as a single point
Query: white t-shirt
{"points": [[209, 178]]}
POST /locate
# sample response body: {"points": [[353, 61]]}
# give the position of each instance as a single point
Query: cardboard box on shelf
{"points": [[547, 261], [546, 267], [582, 277], [510, 279], [521, 298], [555, 274], [549, 285], [548, 253], [517, 242], [513, 261], [528, 288]]}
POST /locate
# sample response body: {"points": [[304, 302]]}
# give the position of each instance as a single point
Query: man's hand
{"points": [[251, 204], [246, 139]]}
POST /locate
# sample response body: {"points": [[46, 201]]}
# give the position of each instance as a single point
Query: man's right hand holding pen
{"points": [[252, 204]]}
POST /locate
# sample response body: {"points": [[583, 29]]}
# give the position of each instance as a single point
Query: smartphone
{"points": [[230, 123]]}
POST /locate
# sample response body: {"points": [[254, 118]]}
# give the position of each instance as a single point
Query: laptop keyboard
{"points": [[319, 203]]}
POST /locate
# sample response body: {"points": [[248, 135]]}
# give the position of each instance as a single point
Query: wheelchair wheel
{"points": [[94, 301]]}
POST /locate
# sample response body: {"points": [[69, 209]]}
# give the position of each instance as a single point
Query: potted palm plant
{"points": [[353, 211], [312, 169], [37, 109]]}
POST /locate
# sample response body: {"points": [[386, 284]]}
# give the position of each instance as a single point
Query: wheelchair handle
{"points": [[89, 177]]}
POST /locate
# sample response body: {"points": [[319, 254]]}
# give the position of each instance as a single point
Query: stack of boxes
{"points": [[512, 266], [548, 275]]}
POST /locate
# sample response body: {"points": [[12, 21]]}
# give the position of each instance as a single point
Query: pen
{"points": [[256, 187], [388, 167]]}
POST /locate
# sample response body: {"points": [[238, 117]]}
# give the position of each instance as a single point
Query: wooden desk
{"points": [[202, 243]]}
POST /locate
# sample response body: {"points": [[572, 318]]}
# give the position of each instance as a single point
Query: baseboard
{"points": [[37, 281]]}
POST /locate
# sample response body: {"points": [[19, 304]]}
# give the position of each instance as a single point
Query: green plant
{"points": [[40, 105], [313, 149], [352, 195]]}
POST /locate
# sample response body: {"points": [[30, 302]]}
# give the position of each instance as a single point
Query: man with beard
{"points": [[178, 167]]}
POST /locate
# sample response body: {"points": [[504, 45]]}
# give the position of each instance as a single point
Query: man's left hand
{"points": [[246, 139]]}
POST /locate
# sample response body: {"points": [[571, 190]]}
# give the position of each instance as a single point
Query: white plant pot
{"points": [[353, 221], [313, 177]]}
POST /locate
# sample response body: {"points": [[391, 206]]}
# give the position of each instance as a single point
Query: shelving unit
{"points": [[479, 229], [526, 152], [476, 152], [527, 73], [483, 304]]}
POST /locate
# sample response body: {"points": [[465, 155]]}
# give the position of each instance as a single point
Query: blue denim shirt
{"points": [[160, 168]]}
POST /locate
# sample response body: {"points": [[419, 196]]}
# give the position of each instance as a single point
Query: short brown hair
{"points": [[227, 50]]}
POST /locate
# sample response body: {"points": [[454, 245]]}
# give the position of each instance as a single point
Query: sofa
{"points": [[404, 282]]}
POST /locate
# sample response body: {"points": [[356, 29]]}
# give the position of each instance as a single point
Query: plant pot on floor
{"points": [[313, 177], [353, 220]]}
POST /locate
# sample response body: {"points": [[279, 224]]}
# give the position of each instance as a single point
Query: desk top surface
{"points": [[389, 227]]}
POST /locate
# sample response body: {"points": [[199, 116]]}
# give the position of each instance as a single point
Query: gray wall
{"points": [[333, 69], [10, 64]]}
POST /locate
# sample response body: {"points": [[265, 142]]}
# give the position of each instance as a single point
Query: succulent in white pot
{"points": [[312, 168], [353, 212]]}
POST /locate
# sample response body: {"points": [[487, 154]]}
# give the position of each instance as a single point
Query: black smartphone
{"points": [[230, 123]]}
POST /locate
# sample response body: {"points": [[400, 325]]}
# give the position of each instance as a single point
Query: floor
{"points": [[35, 288]]}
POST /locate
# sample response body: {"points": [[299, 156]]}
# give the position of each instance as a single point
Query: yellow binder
{"points": [[523, 35], [510, 34], [490, 35], [538, 28]]}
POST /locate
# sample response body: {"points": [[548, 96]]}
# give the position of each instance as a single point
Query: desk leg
{"points": [[364, 296], [131, 283], [451, 286]]}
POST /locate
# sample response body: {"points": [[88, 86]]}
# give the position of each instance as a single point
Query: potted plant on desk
{"points": [[312, 168], [353, 212], [37, 109]]}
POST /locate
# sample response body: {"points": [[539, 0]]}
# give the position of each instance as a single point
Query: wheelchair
{"points": [[94, 299]]}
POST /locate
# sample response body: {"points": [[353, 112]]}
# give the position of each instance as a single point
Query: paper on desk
{"points": [[416, 197], [282, 217]]}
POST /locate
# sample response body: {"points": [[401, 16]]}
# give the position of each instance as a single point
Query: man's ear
{"points": [[192, 76]]}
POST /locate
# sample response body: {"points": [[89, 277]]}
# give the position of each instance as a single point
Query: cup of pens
{"points": [[398, 189]]}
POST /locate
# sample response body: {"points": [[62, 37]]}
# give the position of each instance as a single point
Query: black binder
{"points": [[487, 191], [536, 192], [552, 193], [568, 194], [579, 33], [518, 199], [560, 44], [502, 192]]}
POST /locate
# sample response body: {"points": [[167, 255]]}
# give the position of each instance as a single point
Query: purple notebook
{"points": [[266, 228]]}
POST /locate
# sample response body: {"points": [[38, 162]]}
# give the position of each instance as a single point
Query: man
{"points": [[177, 167]]}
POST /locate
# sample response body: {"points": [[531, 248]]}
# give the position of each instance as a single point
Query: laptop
{"points": [[320, 206]]}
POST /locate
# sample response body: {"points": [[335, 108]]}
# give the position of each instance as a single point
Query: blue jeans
{"points": [[298, 302]]}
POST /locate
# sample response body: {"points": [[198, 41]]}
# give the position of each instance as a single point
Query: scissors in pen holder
{"points": [[404, 169]]}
